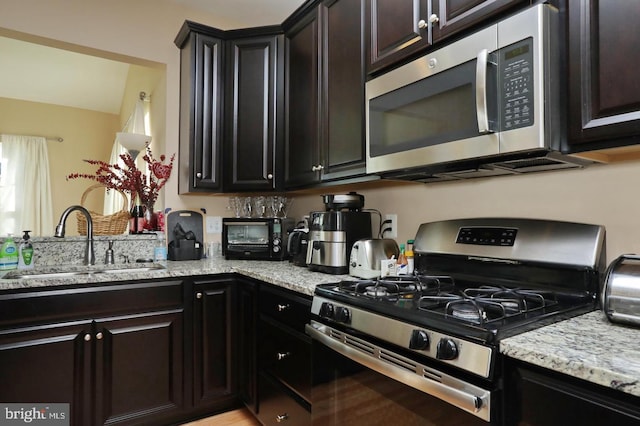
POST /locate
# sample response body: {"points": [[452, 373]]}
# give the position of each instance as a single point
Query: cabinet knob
{"points": [[434, 18], [270, 176], [282, 417], [87, 337], [199, 175], [317, 168], [198, 295], [282, 355], [99, 336], [283, 307], [422, 24]]}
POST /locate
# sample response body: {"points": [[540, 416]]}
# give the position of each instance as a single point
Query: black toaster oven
{"points": [[256, 238]]}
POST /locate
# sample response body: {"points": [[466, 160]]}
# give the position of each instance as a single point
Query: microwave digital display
{"points": [[520, 50]]}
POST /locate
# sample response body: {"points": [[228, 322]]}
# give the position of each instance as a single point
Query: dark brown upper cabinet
{"points": [[231, 103], [325, 94], [201, 62], [253, 115], [604, 89], [399, 29]]}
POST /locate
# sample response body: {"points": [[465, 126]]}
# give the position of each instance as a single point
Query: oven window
{"points": [[248, 234], [431, 111], [346, 393]]}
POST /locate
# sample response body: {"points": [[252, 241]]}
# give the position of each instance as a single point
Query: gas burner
{"points": [[376, 291]]}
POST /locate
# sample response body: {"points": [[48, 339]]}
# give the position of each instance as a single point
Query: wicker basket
{"points": [[113, 224]]}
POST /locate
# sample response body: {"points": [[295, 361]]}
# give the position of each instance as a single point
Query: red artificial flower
{"points": [[130, 179]]}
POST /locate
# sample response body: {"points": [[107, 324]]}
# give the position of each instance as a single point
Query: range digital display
{"points": [[487, 236]]}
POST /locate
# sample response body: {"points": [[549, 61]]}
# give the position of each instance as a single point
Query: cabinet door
{"points": [[254, 114], [604, 90], [456, 15], [302, 156], [200, 114], [48, 364], [139, 367], [394, 31], [212, 339], [342, 147]]}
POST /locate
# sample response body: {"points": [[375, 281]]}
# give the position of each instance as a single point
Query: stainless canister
{"points": [[621, 292]]}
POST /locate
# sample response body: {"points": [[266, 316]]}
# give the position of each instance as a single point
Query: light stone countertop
{"points": [[588, 347], [282, 274]]}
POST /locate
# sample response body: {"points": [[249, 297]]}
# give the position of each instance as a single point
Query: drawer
{"points": [[58, 304], [286, 356], [277, 407], [288, 308]]}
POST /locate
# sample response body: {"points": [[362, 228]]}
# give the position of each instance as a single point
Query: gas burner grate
{"points": [[486, 304], [393, 289]]}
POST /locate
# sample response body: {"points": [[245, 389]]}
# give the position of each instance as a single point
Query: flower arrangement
{"points": [[130, 179]]}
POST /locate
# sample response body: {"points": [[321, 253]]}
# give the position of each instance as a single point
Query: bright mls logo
{"points": [[34, 414]]}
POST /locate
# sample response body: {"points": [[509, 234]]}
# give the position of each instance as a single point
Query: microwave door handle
{"points": [[482, 112]]}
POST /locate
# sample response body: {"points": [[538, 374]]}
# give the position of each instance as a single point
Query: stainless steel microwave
{"points": [[486, 104], [256, 238]]}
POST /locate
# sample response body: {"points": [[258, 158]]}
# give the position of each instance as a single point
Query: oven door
{"points": [[247, 239], [358, 383]]}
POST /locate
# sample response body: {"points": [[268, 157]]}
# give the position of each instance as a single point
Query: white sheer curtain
{"points": [[138, 122], [25, 187]]}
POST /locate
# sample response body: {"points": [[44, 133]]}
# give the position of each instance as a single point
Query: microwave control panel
{"points": [[515, 71]]}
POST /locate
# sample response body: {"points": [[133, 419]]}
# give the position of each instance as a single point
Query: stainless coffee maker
{"points": [[333, 232]]}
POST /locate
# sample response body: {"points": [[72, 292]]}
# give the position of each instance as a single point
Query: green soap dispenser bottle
{"points": [[25, 252], [8, 254]]}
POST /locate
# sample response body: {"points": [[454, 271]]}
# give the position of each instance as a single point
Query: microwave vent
{"points": [[536, 164]]}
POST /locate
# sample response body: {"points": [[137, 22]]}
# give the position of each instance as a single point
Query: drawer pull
{"points": [[283, 355], [99, 336], [87, 337], [198, 295], [282, 417], [284, 307]]}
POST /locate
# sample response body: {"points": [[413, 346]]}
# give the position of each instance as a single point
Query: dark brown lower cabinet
{"points": [[284, 356], [113, 364], [214, 385]]}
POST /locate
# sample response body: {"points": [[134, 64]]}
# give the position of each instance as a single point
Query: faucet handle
{"points": [[125, 258], [109, 255]]}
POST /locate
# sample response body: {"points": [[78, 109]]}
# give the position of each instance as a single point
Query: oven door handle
{"points": [[422, 378]]}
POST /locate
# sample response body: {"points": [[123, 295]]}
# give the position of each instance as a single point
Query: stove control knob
{"points": [[419, 340], [342, 315], [447, 349], [327, 310]]}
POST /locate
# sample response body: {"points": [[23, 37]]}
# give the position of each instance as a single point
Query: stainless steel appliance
{"points": [[485, 105], [331, 237], [423, 349], [256, 238], [621, 292], [364, 261]]}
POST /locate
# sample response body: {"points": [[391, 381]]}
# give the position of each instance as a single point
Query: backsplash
{"points": [[51, 251]]}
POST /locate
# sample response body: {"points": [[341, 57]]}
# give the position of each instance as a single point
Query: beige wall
{"points": [[146, 29], [86, 134]]}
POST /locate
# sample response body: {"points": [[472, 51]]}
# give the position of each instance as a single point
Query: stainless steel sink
{"points": [[76, 271]]}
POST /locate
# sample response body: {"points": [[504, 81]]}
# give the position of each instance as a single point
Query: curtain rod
{"points": [[56, 138]]}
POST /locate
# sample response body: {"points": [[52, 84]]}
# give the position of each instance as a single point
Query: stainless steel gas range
{"points": [[423, 349]]}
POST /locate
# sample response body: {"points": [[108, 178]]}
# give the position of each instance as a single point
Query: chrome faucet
{"points": [[89, 253]]}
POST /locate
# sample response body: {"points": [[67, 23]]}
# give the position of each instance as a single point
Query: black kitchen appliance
{"points": [[331, 238], [333, 232], [184, 235], [256, 238], [424, 348], [297, 244]]}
